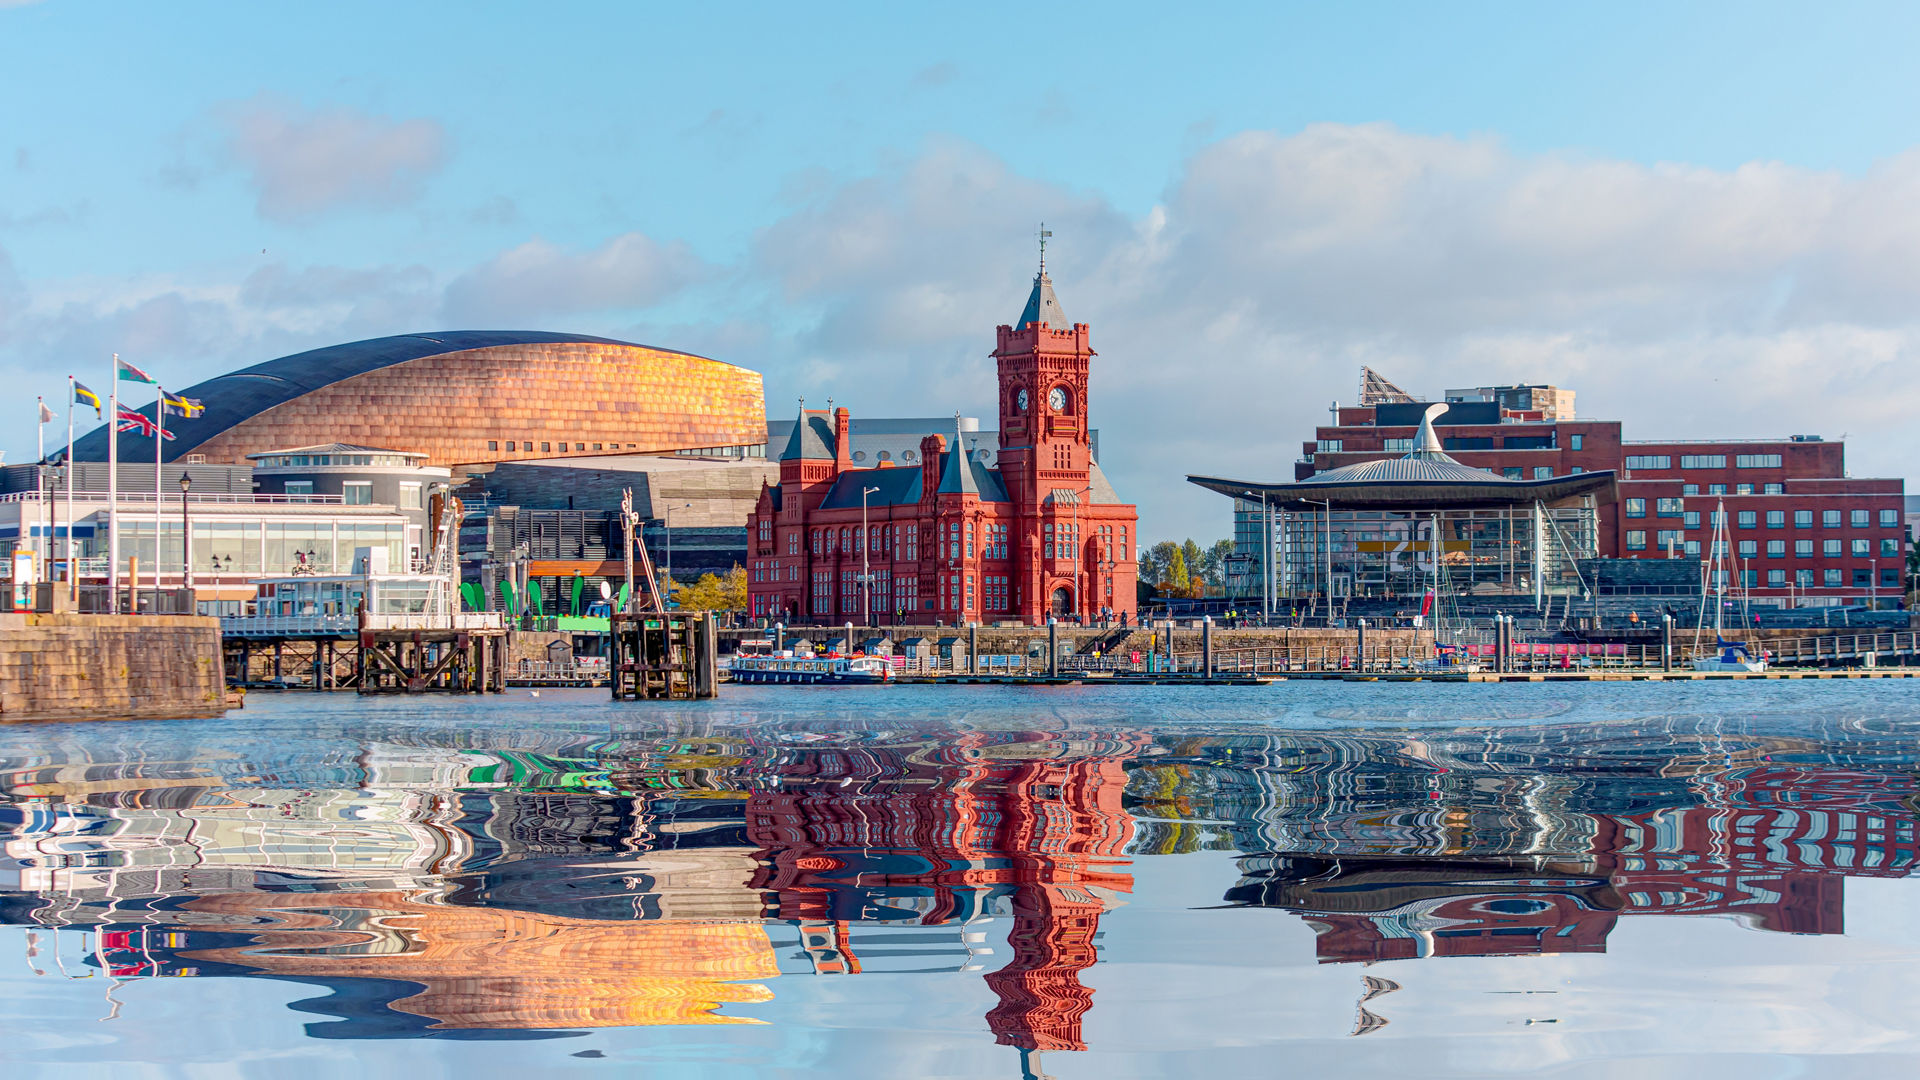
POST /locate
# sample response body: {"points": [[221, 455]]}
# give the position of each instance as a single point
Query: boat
{"points": [[1726, 656], [811, 669]]}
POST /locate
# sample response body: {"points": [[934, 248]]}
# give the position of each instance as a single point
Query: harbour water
{"points": [[1305, 879]]}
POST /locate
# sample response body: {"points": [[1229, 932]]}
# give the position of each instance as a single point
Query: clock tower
{"points": [[1044, 434]]}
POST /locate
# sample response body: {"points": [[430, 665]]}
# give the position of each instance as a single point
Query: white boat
{"points": [[811, 669], [1733, 657]]}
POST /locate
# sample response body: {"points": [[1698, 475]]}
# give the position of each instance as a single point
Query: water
{"points": [[1306, 879]]}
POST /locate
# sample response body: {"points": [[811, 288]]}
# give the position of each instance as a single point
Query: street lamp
{"points": [[666, 530], [866, 569], [186, 537]]}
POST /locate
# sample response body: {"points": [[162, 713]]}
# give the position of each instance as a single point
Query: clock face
{"points": [[1058, 399], [1020, 399]]}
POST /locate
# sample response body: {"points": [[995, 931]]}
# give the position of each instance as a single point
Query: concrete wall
{"points": [[99, 667]]}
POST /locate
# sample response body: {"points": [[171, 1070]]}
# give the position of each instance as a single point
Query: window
{"points": [[1803, 519], [1890, 577], [1576, 470], [1749, 548], [1717, 518], [1574, 441], [1749, 578], [1862, 578], [410, 496], [1511, 472], [1528, 442], [1889, 519], [1776, 579], [546, 448], [1831, 577], [1329, 446], [1803, 549], [1776, 549], [1693, 547], [297, 491], [357, 493], [1689, 489], [1889, 547], [494, 444], [1668, 507], [1756, 461], [1649, 461], [1773, 489], [1860, 519], [1636, 539], [1668, 539], [1743, 489], [1803, 578], [1830, 519], [1543, 472], [1776, 519], [1692, 519], [579, 446], [1637, 508], [1830, 548], [1862, 547], [1748, 519], [1703, 461], [1716, 489], [598, 446]]}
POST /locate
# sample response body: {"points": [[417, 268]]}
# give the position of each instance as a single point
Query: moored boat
{"points": [[811, 669]]}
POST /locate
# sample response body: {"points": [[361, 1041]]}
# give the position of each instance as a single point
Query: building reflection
{"points": [[542, 883]]}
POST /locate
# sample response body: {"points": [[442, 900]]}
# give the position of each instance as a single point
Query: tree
{"points": [[1154, 562], [1215, 567], [714, 593], [1179, 582]]}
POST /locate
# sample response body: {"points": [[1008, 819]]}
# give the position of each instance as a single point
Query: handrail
{"points": [[238, 497]]}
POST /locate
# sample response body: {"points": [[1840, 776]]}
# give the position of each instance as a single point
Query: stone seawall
{"points": [[104, 667]]}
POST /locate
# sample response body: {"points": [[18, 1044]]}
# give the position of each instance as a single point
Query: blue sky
{"points": [[1696, 215]]}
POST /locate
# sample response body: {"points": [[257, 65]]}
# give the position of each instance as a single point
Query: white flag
{"points": [[46, 414]]}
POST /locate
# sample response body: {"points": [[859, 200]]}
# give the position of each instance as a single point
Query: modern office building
{"points": [[944, 535], [1802, 531], [464, 397]]}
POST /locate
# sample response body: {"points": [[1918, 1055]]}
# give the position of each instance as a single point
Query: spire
{"points": [[1426, 445], [812, 438], [956, 473], [1042, 307]]}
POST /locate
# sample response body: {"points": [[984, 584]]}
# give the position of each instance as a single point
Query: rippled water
{"points": [[1304, 879]]}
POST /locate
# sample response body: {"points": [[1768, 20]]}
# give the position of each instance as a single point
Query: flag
{"points": [[140, 422], [128, 373], [175, 405], [87, 397], [46, 414]]}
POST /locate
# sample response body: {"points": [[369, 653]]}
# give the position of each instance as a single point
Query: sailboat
{"points": [[1727, 656], [1447, 655]]}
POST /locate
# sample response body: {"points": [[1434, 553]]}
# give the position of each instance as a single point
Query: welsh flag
{"points": [[128, 373], [142, 423]]}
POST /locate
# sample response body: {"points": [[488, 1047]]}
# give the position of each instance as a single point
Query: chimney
{"points": [[842, 439]]}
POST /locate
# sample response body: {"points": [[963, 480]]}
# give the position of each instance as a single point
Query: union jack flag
{"points": [[142, 423]]}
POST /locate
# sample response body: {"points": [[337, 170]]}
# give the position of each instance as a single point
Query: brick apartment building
{"points": [[1802, 531]]}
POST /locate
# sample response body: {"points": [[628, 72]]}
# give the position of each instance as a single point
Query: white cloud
{"points": [[538, 279], [306, 162]]}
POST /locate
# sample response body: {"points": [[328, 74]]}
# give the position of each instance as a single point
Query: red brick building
{"points": [[1801, 530], [1039, 534]]}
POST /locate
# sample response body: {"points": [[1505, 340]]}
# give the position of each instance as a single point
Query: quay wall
{"points": [[99, 667], [1017, 640]]}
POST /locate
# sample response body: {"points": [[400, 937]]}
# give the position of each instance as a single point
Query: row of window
{"points": [[1859, 547], [1776, 519], [357, 493], [1701, 461], [525, 446]]}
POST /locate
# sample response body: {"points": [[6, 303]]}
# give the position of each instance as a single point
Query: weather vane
{"points": [[1044, 234]]}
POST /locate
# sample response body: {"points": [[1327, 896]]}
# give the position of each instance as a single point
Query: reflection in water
{"points": [[514, 882]]}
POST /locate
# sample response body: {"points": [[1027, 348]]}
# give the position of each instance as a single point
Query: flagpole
{"points": [[159, 440], [113, 490], [41, 488], [73, 564]]}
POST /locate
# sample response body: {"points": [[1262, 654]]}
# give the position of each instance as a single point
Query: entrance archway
{"points": [[1062, 603]]}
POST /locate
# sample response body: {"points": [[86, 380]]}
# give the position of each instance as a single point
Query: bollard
{"points": [[1666, 642], [779, 637], [1206, 646], [1360, 645], [973, 648], [1053, 648]]}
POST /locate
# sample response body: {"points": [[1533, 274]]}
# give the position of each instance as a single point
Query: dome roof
{"points": [[1400, 470]]}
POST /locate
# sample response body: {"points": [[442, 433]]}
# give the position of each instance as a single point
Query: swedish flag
{"points": [[87, 397], [175, 405]]}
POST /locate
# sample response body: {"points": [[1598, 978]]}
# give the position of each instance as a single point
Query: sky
{"points": [[1704, 218]]}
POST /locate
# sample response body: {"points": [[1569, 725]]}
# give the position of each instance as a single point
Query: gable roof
{"points": [[898, 487]]}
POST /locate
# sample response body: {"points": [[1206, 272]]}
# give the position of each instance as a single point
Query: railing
{"points": [[60, 495], [276, 626]]}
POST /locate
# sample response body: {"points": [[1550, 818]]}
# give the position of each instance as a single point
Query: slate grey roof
{"points": [[1406, 468], [1043, 307], [898, 486], [241, 395], [812, 438]]}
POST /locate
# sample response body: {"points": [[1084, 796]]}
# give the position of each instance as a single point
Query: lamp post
{"points": [[866, 569], [666, 530], [1326, 549], [186, 537]]}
